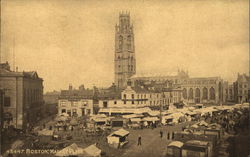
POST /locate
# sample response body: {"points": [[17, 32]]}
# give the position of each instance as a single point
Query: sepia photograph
{"points": [[124, 78]]}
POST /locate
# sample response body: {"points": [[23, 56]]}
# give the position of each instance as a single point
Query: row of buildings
{"points": [[154, 94]]}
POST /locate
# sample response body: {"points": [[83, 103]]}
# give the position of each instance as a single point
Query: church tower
{"points": [[125, 63]]}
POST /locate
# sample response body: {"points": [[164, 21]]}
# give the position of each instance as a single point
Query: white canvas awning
{"points": [[176, 144], [151, 118], [135, 119], [93, 151], [154, 113], [132, 116], [120, 132], [45, 132]]}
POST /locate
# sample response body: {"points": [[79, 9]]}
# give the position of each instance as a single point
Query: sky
{"points": [[72, 41]]}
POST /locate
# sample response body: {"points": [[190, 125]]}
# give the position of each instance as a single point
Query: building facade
{"points": [[124, 59], [203, 90], [23, 97], [242, 88], [144, 96], [76, 102], [75, 106]]}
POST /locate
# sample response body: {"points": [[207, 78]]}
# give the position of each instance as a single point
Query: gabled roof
{"points": [[30, 75], [140, 90], [243, 78]]}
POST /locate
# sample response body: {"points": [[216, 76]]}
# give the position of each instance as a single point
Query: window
{"points": [[133, 102], [6, 101], [128, 67], [205, 93], [74, 112], [190, 93], [88, 111], [69, 112], [129, 43], [63, 110], [115, 102], [240, 91], [124, 96], [120, 42], [105, 104], [212, 93], [84, 103], [133, 96], [145, 96], [184, 93], [124, 101]]}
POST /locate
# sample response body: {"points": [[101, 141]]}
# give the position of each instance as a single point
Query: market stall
{"points": [[174, 149], [117, 122], [118, 138], [195, 148], [92, 151], [135, 123]]}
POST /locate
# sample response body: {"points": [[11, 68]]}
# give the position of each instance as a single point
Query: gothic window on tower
{"points": [[128, 67], [118, 57], [131, 67], [120, 42], [129, 43]]}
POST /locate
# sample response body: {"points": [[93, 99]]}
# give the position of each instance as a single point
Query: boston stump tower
{"points": [[125, 63]]}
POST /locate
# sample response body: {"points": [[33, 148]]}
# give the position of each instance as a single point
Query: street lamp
{"points": [[161, 106]]}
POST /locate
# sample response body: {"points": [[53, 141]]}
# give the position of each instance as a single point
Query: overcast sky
{"points": [[72, 41]]}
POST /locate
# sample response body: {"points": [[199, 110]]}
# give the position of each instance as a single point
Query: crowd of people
{"points": [[232, 121]]}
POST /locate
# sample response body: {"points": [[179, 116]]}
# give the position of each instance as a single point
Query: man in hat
{"points": [[139, 140]]}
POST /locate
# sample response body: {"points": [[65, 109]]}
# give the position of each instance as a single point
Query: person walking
{"points": [[139, 140], [172, 135], [161, 133]]}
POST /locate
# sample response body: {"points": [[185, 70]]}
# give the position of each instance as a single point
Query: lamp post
{"points": [[1, 107], [161, 106]]}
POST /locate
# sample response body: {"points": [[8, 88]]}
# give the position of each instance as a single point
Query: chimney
{"points": [[70, 87]]}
